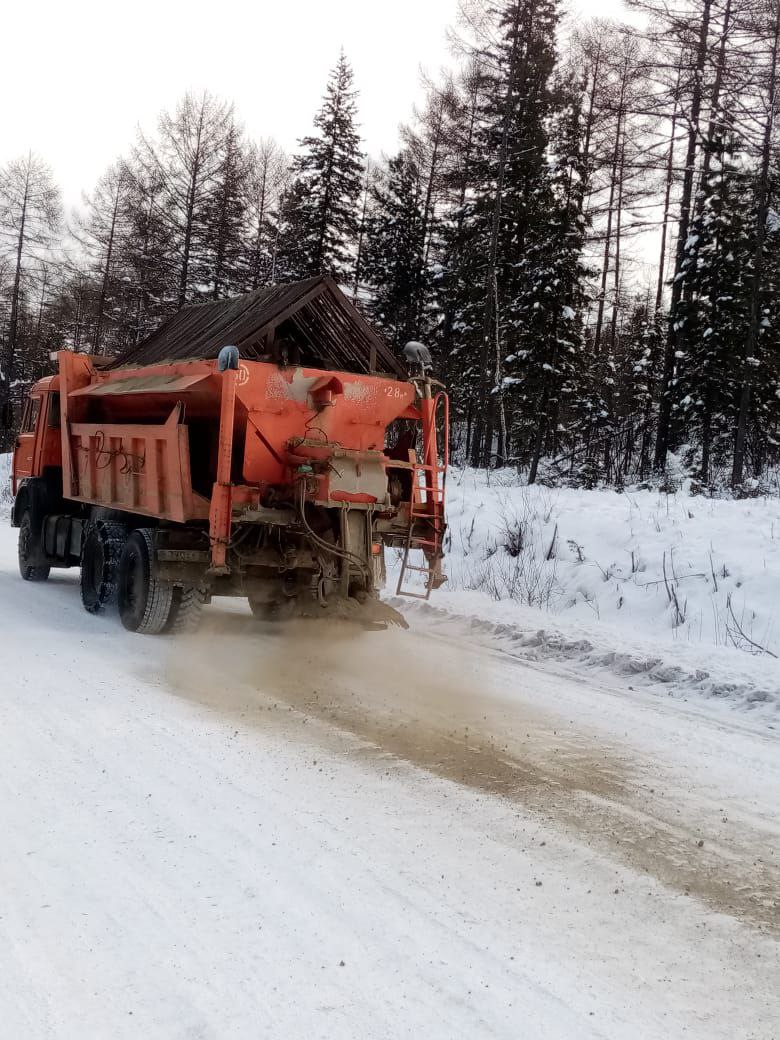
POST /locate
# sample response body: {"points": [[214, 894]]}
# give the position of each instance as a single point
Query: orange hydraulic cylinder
{"points": [[433, 468], [221, 499], [430, 446]]}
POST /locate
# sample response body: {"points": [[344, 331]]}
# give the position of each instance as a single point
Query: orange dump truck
{"points": [[269, 446]]}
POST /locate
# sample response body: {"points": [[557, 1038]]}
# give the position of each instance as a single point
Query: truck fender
{"points": [[31, 496], [21, 503]]}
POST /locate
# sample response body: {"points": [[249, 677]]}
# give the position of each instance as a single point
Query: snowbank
{"points": [[6, 499], [678, 589]]}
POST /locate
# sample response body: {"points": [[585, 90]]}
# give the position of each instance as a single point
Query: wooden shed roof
{"points": [[309, 323]]}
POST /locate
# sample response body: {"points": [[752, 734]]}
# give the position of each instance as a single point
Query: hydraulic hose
{"points": [[334, 550]]}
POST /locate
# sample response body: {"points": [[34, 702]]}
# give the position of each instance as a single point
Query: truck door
{"points": [[24, 447]]}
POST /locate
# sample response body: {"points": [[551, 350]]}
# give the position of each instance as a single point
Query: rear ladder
{"points": [[426, 509]]}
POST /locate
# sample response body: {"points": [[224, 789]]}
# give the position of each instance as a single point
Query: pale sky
{"points": [[78, 76]]}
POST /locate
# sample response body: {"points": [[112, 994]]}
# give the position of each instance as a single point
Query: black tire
{"points": [[100, 557], [29, 549], [144, 602], [186, 609]]}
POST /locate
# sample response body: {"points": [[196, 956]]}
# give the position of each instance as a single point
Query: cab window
{"points": [[30, 416], [54, 412]]}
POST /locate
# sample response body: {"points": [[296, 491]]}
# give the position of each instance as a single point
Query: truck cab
{"points": [[36, 481], [39, 443]]}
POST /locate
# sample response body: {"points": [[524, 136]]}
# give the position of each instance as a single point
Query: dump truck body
{"points": [[173, 482]]}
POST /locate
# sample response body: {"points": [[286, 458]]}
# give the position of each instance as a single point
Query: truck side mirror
{"points": [[7, 416]]}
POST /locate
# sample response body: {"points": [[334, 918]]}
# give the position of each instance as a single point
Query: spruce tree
{"points": [[644, 354], [319, 214], [224, 259], [457, 264], [393, 260], [764, 441], [509, 203], [544, 319], [714, 277], [624, 378]]}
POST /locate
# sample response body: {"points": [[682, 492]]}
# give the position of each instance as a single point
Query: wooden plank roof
{"points": [[310, 323]]}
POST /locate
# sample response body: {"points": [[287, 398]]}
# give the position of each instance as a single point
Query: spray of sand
{"points": [[438, 705]]}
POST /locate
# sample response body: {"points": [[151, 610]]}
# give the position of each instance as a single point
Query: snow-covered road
{"points": [[374, 835]]}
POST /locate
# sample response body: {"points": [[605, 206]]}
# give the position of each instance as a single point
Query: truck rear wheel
{"points": [[144, 602], [99, 565], [29, 549], [186, 609]]}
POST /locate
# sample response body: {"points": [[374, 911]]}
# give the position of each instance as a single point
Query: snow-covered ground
{"points": [[6, 498], [680, 592], [329, 833]]}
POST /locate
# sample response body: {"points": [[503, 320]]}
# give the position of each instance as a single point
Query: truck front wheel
{"points": [[144, 602], [29, 550]]}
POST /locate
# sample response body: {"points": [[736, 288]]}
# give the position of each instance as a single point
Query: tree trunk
{"points": [[142, 299], [448, 322], [427, 224], [477, 452], [618, 231], [674, 337], [328, 183], [42, 302], [706, 437], [715, 123], [255, 282], [751, 342], [192, 195], [610, 212], [588, 128], [361, 235], [659, 292], [13, 324], [541, 430], [106, 275]]}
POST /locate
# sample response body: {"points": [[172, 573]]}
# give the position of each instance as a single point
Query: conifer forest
{"points": [[582, 221]]}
